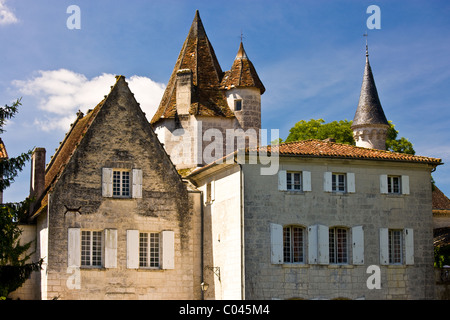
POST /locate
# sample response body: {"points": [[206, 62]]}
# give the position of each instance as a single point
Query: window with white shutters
{"points": [[294, 180], [293, 244], [121, 183]]}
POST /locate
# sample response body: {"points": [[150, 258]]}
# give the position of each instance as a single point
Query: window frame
{"points": [[238, 102], [121, 186], [146, 261], [290, 245], [87, 253], [290, 175], [336, 184], [335, 256], [395, 246], [391, 185]]}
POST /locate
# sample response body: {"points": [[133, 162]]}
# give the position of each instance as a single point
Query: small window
{"points": [[395, 247], [149, 250], [338, 182], [91, 248], [121, 183], [338, 245], [394, 184], [293, 241], [294, 181], [238, 105]]}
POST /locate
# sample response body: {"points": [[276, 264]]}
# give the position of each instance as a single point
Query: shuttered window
{"points": [[121, 183], [294, 180], [293, 244]]}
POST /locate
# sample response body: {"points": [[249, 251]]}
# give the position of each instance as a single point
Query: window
{"points": [[394, 184], [338, 245], [395, 246], [91, 248], [338, 182], [149, 250], [238, 105], [293, 244], [121, 183], [294, 181]]}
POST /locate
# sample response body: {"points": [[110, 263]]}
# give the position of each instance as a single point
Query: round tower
{"points": [[243, 92], [369, 125]]}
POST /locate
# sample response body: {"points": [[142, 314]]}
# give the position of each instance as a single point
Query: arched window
{"points": [[338, 245], [293, 244]]}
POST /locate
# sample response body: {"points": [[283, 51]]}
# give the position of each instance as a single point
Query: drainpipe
{"points": [[242, 231], [202, 230]]}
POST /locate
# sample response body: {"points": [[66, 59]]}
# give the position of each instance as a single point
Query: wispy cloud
{"points": [[60, 93], [6, 14]]}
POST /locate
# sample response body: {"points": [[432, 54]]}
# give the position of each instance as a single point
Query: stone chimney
{"points": [[184, 91], [37, 180]]}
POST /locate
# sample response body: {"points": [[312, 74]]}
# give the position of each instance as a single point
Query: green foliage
{"points": [[342, 133], [14, 266], [318, 129], [441, 256]]}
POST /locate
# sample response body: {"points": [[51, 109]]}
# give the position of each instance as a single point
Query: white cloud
{"points": [[6, 15], [60, 93]]}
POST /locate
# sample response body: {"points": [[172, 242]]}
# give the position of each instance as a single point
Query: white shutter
{"points": [[137, 183], [384, 246], [312, 244], [107, 181], [74, 247], [282, 181], [276, 243], [384, 183], [168, 250], [306, 177], [110, 248], [351, 188], [132, 249], [408, 235], [358, 245], [405, 184], [327, 184], [323, 244]]}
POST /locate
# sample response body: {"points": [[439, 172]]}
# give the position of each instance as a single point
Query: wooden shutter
{"points": [[137, 183], [327, 182], [384, 183], [110, 248], [358, 245], [168, 250], [282, 181], [276, 243], [306, 177], [312, 244], [408, 235], [107, 182], [384, 246], [323, 244], [351, 187], [132, 249], [74, 247], [405, 184]]}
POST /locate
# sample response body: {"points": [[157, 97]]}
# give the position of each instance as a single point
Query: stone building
{"points": [[114, 218]]}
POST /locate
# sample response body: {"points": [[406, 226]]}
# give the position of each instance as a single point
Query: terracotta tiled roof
{"points": [[320, 148], [197, 54], [440, 200], [242, 73]]}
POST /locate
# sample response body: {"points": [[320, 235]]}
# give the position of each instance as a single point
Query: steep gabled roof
{"points": [[440, 200], [369, 110], [197, 54], [242, 73]]}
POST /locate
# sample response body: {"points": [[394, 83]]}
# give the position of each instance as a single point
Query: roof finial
{"points": [[367, 47], [242, 35]]}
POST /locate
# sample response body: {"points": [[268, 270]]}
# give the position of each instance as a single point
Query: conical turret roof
{"points": [[369, 110], [242, 73], [197, 54]]}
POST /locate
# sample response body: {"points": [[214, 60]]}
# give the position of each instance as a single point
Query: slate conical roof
{"points": [[242, 73], [369, 110], [197, 54]]}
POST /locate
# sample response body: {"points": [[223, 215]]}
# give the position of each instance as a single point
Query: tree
{"points": [[14, 269], [341, 132]]}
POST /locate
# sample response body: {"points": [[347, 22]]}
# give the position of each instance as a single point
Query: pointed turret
{"points": [[194, 86], [369, 124]]}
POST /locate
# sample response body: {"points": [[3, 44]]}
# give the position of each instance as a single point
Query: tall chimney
{"points": [[37, 181]]}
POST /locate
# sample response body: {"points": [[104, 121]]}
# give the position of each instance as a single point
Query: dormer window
{"points": [[238, 105]]}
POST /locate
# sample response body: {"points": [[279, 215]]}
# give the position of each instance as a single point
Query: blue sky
{"points": [[310, 56]]}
